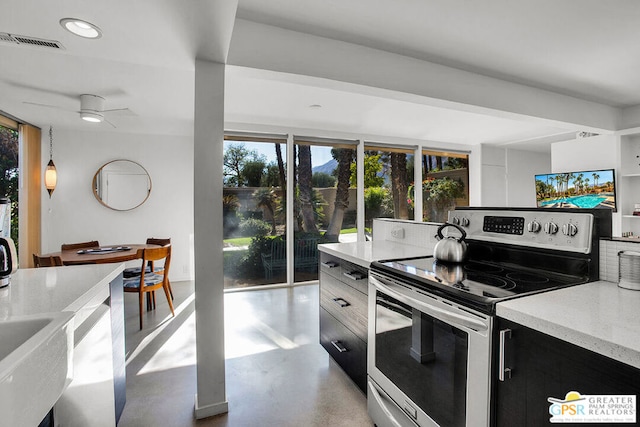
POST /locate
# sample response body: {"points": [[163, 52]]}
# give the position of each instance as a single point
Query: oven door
{"points": [[429, 360]]}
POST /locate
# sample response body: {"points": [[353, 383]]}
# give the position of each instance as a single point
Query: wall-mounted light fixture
{"points": [[50, 174]]}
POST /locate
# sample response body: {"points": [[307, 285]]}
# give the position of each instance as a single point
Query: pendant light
{"points": [[50, 174]]}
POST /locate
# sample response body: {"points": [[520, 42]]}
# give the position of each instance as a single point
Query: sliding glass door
{"points": [[260, 244], [325, 200], [254, 211]]}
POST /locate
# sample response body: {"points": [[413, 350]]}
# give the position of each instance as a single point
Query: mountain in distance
{"points": [[332, 164], [327, 168]]}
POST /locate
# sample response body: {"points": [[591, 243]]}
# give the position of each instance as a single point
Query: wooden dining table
{"points": [[101, 255]]}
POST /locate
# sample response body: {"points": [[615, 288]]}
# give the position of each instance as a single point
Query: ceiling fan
{"points": [[91, 108]]}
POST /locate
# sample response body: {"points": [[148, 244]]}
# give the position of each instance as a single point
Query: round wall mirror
{"points": [[121, 185]]}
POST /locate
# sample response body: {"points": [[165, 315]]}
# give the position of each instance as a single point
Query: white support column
{"points": [[290, 211], [209, 283], [417, 188], [360, 190]]}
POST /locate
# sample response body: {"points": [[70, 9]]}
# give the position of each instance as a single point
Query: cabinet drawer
{"points": [[355, 276], [330, 265], [345, 348], [346, 304]]}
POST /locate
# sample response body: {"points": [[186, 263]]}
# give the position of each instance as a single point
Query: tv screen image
{"points": [[584, 189]]}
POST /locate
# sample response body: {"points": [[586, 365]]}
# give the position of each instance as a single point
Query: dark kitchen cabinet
{"points": [[343, 315], [542, 367]]}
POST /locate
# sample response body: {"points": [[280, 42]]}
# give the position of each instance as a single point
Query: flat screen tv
{"points": [[594, 189]]}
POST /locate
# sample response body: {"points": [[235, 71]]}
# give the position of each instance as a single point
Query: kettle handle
{"points": [[448, 224], [10, 250]]}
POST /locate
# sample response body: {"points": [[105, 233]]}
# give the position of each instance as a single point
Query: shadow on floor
{"points": [[276, 372]]}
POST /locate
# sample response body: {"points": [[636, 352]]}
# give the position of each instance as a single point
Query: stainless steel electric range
{"points": [[431, 323]]}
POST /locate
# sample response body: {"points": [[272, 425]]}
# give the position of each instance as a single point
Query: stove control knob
{"points": [[455, 220], [533, 227], [464, 222], [551, 228], [569, 230]]}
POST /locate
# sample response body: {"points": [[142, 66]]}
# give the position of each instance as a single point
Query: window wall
{"points": [[388, 179], [9, 148], [324, 202], [254, 210], [265, 238], [445, 183], [22, 183]]}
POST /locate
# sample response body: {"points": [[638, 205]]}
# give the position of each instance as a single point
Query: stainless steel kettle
{"points": [[8, 260], [449, 248]]}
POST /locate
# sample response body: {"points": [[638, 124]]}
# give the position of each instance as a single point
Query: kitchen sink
{"points": [[36, 359]]}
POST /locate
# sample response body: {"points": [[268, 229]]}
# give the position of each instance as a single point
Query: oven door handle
{"points": [[381, 404], [444, 315]]}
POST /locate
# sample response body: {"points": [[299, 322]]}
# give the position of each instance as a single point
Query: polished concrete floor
{"points": [[276, 372]]}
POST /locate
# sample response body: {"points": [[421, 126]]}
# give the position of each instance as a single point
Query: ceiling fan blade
{"points": [[42, 89], [37, 104], [120, 112], [114, 126]]}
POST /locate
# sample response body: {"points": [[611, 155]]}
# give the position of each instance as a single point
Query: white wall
{"points": [[475, 176], [522, 166], [74, 215], [593, 153], [596, 152], [493, 176], [504, 177]]}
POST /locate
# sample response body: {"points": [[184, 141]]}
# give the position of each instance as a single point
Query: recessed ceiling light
{"points": [[315, 106], [81, 28]]}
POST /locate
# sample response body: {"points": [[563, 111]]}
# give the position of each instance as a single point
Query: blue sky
{"points": [[319, 154]]}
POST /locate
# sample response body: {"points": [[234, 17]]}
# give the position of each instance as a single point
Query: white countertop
{"points": [[598, 316], [364, 253], [54, 289]]}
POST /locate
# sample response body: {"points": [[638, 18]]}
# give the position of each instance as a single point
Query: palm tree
{"points": [[576, 181], [586, 184], [266, 198], [344, 156], [581, 181], [281, 171], [399, 185], [561, 179], [570, 177], [306, 189], [551, 179], [595, 179]]}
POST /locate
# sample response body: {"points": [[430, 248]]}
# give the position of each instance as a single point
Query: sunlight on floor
{"points": [[178, 350], [250, 331], [245, 334]]}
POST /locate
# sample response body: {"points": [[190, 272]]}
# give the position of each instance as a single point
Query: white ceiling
{"points": [[587, 49]]}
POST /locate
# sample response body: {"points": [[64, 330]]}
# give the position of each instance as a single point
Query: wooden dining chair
{"points": [[82, 245], [151, 281], [151, 266], [46, 261]]}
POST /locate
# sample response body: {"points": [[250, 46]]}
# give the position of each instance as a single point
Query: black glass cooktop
{"points": [[478, 282]]}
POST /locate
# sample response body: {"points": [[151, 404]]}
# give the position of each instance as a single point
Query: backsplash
{"points": [[422, 234], [609, 257]]}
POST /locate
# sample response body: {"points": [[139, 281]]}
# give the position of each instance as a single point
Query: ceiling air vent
{"points": [[32, 41]]}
